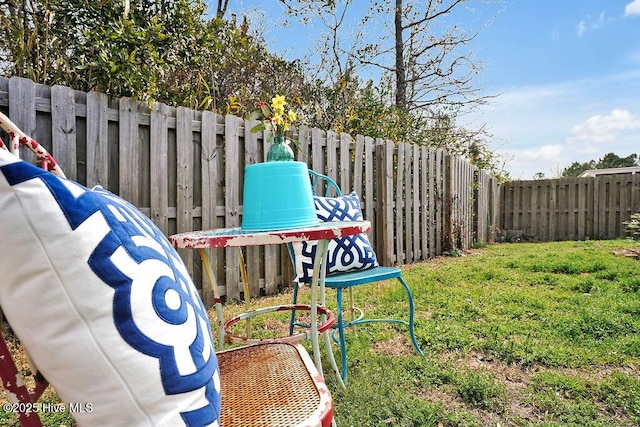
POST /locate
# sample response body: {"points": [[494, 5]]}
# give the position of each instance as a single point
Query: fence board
{"points": [[184, 191], [332, 156], [431, 190], [408, 203], [97, 128], [232, 202], [208, 153], [358, 168], [318, 142], [159, 166], [438, 192], [22, 111], [424, 203], [63, 129], [253, 253], [369, 185], [416, 204], [129, 155], [399, 205], [384, 225], [345, 162]]}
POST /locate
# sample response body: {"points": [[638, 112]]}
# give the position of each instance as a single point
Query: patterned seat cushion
{"points": [[103, 303], [344, 254]]}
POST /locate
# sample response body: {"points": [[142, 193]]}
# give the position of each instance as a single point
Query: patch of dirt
{"points": [[399, 345], [631, 253], [516, 380]]}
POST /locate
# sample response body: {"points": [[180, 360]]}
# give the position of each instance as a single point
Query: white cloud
{"points": [[582, 27], [547, 159], [594, 24], [600, 129], [632, 8], [546, 153]]}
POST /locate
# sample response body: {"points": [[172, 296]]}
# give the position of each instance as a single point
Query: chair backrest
{"points": [[323, 185]]}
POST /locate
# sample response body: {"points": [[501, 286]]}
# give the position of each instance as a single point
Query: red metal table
{"points": [[236, 237]]}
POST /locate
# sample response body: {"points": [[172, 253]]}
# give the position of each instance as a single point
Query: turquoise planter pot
{"points": [[277, 196]]}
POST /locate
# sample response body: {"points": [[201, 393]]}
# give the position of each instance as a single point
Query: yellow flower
{"points": [[277, 119], [278, 102]]}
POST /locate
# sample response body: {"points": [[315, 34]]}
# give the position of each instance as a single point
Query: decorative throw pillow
{"points": [[103, 304], [346, 253]]}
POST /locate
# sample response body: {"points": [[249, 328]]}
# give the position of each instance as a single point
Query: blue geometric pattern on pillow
{"points": [[157, 311], [345, 253]]}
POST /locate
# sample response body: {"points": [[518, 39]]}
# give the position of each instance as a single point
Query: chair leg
{"points": [[343, 344], [292, 320], [352, 307], [340, 324], [411, 312]]}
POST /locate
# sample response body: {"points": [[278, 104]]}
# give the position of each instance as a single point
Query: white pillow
{"points": [[103, 304]]}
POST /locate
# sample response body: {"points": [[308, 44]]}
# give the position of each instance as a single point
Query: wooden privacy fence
{"points": [[184, 169], [570, 208]]}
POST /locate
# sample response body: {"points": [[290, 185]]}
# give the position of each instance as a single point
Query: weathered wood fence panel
{"points": [[185, 170], [487, 207], [570, 208]]}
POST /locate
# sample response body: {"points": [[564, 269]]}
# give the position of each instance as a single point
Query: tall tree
{"points": [[427, 52], [427, 72]]}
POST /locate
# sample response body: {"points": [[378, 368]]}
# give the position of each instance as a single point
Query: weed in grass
{"points": [[630, 284], [546, 280], [610, 275], [480, 390], [478, 245], [584, 286], [566, 268], [593, 325], [454, 253], [621, 391]]}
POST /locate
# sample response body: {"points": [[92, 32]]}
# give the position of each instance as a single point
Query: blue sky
{"points": [[567, 73]]}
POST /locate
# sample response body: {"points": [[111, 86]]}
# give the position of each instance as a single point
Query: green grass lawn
{"points": [[518, 334], [544, 334], [514, 334]]}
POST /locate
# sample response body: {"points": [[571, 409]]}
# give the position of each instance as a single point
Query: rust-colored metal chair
{"points": [[272, 384]]}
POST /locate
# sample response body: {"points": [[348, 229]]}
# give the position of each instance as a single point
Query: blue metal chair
{"points": [[325, 186]]}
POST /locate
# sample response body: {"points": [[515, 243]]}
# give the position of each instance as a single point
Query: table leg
{"points": [[318, 263], [245, 286], [216, 298], [318, 280]]}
